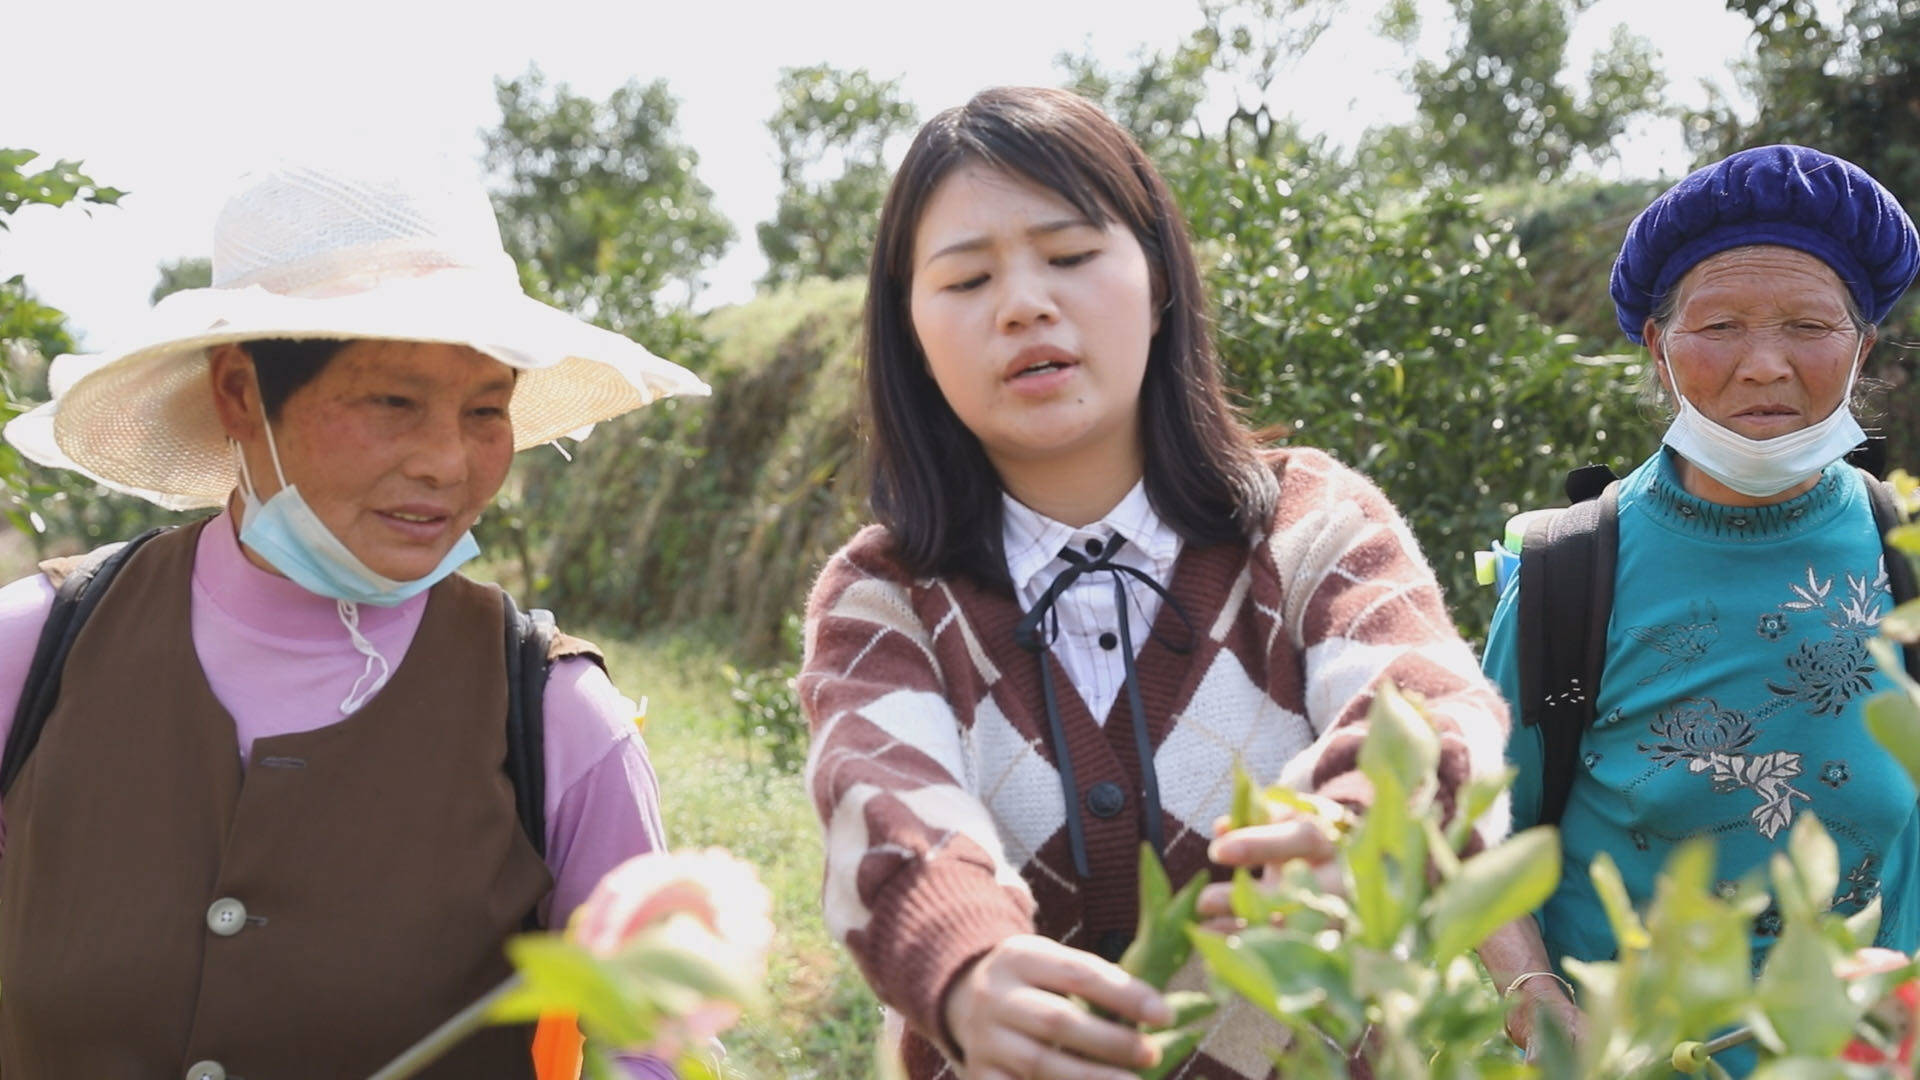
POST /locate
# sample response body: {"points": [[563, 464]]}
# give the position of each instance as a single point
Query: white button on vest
{"points": [[206, 1070], [226, 917]]}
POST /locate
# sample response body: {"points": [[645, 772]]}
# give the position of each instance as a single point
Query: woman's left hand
{"points": [[1292, 835]]}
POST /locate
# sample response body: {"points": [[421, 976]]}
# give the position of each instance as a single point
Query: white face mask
{"points": [[286, 532], [1762, 467]]}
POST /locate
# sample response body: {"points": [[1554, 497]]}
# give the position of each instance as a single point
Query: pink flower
{"points": [[1898, 1015], [707, 903]]}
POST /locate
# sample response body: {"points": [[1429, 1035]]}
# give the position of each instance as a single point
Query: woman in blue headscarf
{"points": [[1749, 573]]}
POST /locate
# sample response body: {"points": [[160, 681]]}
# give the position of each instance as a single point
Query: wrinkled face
{"points": [[397, 447], [1034, 320], [1760, 340]]}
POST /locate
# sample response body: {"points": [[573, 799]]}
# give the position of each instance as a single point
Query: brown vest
{"points": [[310, 916]]}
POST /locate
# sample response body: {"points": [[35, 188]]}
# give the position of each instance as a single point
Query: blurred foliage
{"points": [[194, 272], [1843, 77], [1380, 965], [767, 713], [831, 130], [1499, 105]]}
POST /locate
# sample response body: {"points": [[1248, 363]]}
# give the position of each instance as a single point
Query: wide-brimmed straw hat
{"points": [[307, 251]]}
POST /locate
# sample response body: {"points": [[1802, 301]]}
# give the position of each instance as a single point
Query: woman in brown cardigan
{"points": [[1089, 593]]}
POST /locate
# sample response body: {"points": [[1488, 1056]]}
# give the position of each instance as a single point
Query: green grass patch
{"points": [[716, 788]]}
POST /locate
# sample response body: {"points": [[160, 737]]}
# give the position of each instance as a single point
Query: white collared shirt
{"points": [[1088, 645]]}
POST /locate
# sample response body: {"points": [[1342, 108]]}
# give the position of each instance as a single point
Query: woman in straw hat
{"points": [[265, 830]]}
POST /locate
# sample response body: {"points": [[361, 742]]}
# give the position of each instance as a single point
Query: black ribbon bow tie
{"points": [[1036, 632]]}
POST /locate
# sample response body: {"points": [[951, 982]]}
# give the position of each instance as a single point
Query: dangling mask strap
{"points": [[375, 674]]}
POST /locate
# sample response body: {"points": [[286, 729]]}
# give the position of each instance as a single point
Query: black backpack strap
{"points": [[529, 637], [1900, 577], [1566, 598], [73, 602]]}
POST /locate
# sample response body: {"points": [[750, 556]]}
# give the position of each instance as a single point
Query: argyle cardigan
{"points": [[935, 780]]}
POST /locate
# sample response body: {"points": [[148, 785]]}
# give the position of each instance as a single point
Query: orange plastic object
{"points": [[557, 1045]]}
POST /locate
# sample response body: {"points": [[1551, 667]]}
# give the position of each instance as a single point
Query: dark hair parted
{"points": [[932, 484], [284, 365]]}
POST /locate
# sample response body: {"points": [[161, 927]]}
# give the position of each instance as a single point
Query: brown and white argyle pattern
{"points": [[939, 790]]}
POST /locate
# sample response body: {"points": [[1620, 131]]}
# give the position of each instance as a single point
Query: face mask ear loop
{"points": [[1853, 373], [246, 474], [1680, 401], [272, 450], [377, 669]]}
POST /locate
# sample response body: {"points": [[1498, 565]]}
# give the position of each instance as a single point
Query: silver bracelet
{"points": [[1521, 980]]}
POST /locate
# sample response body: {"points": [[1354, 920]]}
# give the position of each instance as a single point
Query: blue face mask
{"points": [[285, 531]]}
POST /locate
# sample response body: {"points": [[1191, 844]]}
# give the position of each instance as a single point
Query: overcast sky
{"points": [[171, 101]]}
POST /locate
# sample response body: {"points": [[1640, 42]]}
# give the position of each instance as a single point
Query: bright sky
{"points": [[171, 101]]}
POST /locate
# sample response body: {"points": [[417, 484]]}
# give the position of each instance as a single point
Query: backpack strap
{"points": [[1566, 598], [1900, 576], [530, 635], [79, 583]]}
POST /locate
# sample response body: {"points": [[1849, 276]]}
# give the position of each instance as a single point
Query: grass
{"points": [[716, 788]]}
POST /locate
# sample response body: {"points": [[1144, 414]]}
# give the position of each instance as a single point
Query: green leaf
{"points": [[1863, 926], [1155, 889], [1494, 888], [1175, 1046], [564, 977], [1815, 858], [1401, 743], [1475, 800], [1902, 624], [1160, 944], [1252, 904], [1239, 970], [1804, 1002], [1248, 807], [1190, 1007], [1893, 719], [1384, 866], [1628, 930]]}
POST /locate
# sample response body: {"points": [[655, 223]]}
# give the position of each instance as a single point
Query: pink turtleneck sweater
{"points": [[280, 661]]}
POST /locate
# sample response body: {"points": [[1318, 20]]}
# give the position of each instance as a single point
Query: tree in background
{"points": [[189, 273], [601, 205], [1382, 324], [831, 129], [30, 331], [1499, 106], [54, 509], [599, 202], [1239, 50]]}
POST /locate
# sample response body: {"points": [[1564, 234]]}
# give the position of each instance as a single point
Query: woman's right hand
{"points": [[1012, 1019]]}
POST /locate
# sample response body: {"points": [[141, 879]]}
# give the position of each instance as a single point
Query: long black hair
{"points": [[932, 485]]}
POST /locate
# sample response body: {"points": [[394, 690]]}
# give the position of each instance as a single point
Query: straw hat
{"points": [[305, 251]]}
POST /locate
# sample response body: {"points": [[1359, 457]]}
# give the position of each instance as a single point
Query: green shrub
{"points": [[1390, 331]]}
